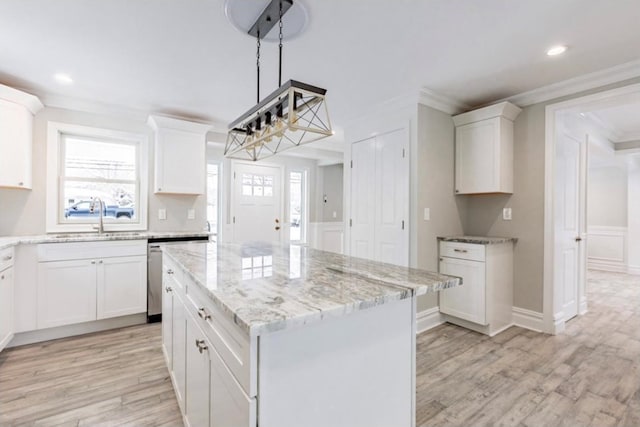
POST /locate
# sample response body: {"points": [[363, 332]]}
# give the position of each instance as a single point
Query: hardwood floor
{"points": [[112, 378], [589, 375]]}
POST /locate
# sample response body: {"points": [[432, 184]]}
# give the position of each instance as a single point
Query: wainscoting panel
{"points": [[327, 236], [607, 248]]}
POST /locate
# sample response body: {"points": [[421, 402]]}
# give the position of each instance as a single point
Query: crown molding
{"points": [[441, 102], [578, 84], [28, 101]]}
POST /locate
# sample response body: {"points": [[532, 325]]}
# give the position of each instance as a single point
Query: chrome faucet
{"points": [[100, 226]]}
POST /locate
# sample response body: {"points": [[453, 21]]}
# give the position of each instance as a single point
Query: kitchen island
{"points": [[277, 335]]}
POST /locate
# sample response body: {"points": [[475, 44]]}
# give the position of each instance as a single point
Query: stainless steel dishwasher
{"points": [[154, 273]]}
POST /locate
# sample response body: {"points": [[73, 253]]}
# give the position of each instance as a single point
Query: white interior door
{"points": [[363, 206], [569, 218], [392, 198], [380, 198], [257, 207]]}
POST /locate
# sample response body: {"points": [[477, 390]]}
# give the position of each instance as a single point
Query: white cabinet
{"points": [[180, 156], [16, 137], [198, 387], [6, 297], [484, 302], [484, 150], [119, 291], [66, 292], [81, 282], [167, 323], [179, 334]]}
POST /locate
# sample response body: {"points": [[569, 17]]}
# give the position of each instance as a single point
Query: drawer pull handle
{"points": [[169, 271], [464, 251], [201, 345], [168, 289], [203, 314], [7, 258]]}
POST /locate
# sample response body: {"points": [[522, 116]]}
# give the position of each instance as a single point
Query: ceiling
{"points": [[621, 123], [183, 57]]}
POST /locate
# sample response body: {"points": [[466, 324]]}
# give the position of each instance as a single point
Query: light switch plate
{"points": [[162, 214], [427, 214], [506, 214], [191, 214], [335, 214]]}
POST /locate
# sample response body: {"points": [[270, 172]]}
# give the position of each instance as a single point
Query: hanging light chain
{"points": [[258, 66], [280, 47]]}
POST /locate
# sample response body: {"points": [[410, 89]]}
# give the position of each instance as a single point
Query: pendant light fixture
{"points": [[293, 115]]}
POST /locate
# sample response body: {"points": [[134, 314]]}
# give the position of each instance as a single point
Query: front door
{"points": [[257, 213]]}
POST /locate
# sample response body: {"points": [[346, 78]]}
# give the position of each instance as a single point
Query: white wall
{"points": [[22, 212], [607, 197], [633, 226]]}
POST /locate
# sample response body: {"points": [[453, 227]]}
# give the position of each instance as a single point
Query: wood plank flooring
{"points": [[113, 378], [587, 376]]}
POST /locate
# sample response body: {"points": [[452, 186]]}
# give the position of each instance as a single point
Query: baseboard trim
{"points": [[615, 267], [48, 334], [527, 319], [428, 319], [632, 269]]}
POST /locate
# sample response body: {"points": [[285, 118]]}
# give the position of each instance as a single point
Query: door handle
{"points": [[277, 227], [277, 221]]}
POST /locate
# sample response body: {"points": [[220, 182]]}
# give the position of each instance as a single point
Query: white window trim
{"points": [[304, 232], [54, 147]]}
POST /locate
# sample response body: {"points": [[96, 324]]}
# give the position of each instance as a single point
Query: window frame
{"points": [[55, 222], [218, 164], [304, 204]]}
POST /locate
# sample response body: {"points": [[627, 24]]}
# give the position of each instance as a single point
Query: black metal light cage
{"points": [[293, 115]]}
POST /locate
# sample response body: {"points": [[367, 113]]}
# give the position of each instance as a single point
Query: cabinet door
{"points": [[198, 375], [179, 334], [167, 322], [180, 162], [66, 292], [122, 286], [230, 406], [16, 129], [468, 301], [478, 157], [6, 307]]}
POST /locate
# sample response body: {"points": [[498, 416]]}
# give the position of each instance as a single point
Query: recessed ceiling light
{"points": [[63, 79], [556, 50]]}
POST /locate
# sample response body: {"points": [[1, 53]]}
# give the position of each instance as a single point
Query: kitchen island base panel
{"points": [[355, 370]]}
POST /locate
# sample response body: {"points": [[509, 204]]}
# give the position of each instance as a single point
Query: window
{"points": [[297, 206], [257, 185], [213, 174], [89, 165]]}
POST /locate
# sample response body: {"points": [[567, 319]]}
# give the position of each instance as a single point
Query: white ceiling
{"points": [[182, 57], [621, 123]]}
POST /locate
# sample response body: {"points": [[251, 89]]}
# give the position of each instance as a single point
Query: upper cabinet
{"points": [[484, 149], [180, 156], [16, 137]]}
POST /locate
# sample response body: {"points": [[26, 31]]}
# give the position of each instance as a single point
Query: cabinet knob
{"points": [[101, 262], [168, 289], [2, 277], [93, 262], [203, 314], [21, 183], [457, 191], [169, 271], [201, 345], [7, 258], [159, 189]]}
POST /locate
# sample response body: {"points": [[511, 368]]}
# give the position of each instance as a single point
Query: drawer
{"points": [[461, 250], [7, 258], [235, 347], [89, 250]]}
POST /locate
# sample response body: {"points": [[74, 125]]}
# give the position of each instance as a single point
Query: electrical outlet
{"points": [[335, 214], [162, 214], [506, 214], [191, 214], [427, 214]]}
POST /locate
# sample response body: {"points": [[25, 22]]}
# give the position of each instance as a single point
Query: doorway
{"points": [[574, 135]]}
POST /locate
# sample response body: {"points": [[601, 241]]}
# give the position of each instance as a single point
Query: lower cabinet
{"points": [[6, 306], [208, 392], [484, 302], [90, 281]]}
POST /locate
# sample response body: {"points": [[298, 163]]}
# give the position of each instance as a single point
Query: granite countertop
{"points": [[6, 242], [267, 287], [479, 240]]}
